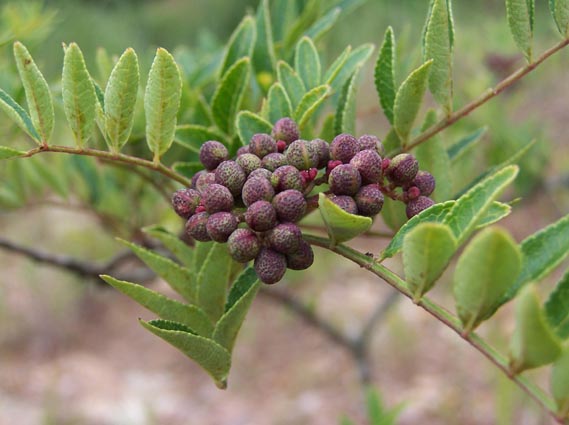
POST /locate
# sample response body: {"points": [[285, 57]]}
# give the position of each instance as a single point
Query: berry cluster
{"points": [[253, 201]]}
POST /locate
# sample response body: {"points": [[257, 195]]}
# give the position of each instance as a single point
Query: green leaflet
{"points": [[264, 59], [229, 94], [533, 343], [187, 169], [104, 64], [560, 11], [212, 281], [309, 103], [283, 13], [324, 24], [456, 151], [486, 269], [341, 225], [18, 115], [7, 153], [557, 308], [174, 244], [355, 60], [248, 124], [291, 82], [207, 353], [438, 46], [239, 300], [120, 100], [178, 277], [520, 20], [52, 176], [496, 212], [327, 132], [307, 63], [384, 75], [345, 121], [38, 95], [161, 102], [336, 66], [560, 383], [193, 136], [164, 307], [408, 101], [278, 103], [392, 141], [201, 251], [79, 98], [309, 13], [470, 207], [377, 412], [240, 45], [433, 158], [427, 250]]}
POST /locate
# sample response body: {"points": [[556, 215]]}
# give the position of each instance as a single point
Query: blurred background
{"points": [[71, 350]]}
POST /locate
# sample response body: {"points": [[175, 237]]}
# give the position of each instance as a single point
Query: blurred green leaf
{"points": [[345, 121], [38, 95], [283, 13], [104, 64], [356, 59], [486, 269], [240, 45], [341, 225], [520, 20], [560, 383], [307, 63], [278, 103], [560, 11], [212, 281], [7, 153], [55, 175], [201, 251], [17, 114], [193, 136], [291, 82], [533, 343], [557, 308], [310, 11], [309, 103], [249, 124], [385, 74], [324, 24], [175, 245], [457, 150], [336, 66], [187, 169], [328, 133], [377, 413], [264, 59], [392, 142]]}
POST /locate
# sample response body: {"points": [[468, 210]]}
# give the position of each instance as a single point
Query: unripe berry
{"points": [[204, 180], [256, 189], [302, 258], [270, 266], [345, 179], [273, 161], [402, 169], [369, 200], [260, 172], [217, 198], [322, 150], [347, 203], [290, 205], [344, 147], [286, 130], [261, 216], [368, 163], [212, 154], [411, 193], [242, 150], [230, 175], [220, 225], [248, 162], [285, 238], [196, 176], [368, 141], [415, 206], [243, 245], [299, 155], [262, 144], [425, 182], [185, 202], [196, 227], [287, 177]]}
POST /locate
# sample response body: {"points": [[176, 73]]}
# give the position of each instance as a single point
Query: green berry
{"points": [[262, 144], [220, 225], [287, 177], [212, 154], [243, 245], [270, 266], [286, 130], [402, 169], [290, 205], [300, 156], [248, 162], [185, 202], [196, 227], [284, 238], [261, 216], [369, 200], [217, 198], [273, 161], [368, 163], [302, 258], [345, 179], [257, 189], [344, 147], [230, 175]]}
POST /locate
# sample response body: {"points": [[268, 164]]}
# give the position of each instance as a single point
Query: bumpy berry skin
{"points": [[261, 216], [220, 225], [217, 198], [345, 179], [260, 172], [286, 130], [368, 163], [290, 205], [425, 182], [273, 161], [344, 147], [204, 180], [262, 144], [368, 141], [243, 245], [242, 150], [257, 189], [322, 150], [402, 169], [285, 238], [300, 156], [196, 227], [185, 202], [347, 203], [212, 154], [302, 258], [230, 175], [270, 266], [248, 162], [287, 177], [415, 206], [196, 176], [369, 200]]}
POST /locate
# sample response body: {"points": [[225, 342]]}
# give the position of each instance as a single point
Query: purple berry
{"points": [[212, 154], [248, 162], [302, 258], [287, 177], [257, 189], [260, 172], [243, 245], [402, 169], [285, 238], [369, 200], [261, 216], [196, 176], [242, 150], [196, 227], [286, 130], [262, 144], [185, 202], [230, 175], [300, 156], [425, 182], [290, 205], [322, 149], [344, 147], [270, 266], [217, 198], [415, 206], [345, 179], [368, 141], [273, 161], [368, 163], [204, 180], [347, 203], [220, 225]]}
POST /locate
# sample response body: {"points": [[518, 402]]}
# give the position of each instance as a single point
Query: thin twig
{"points": [[369, 233]]}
